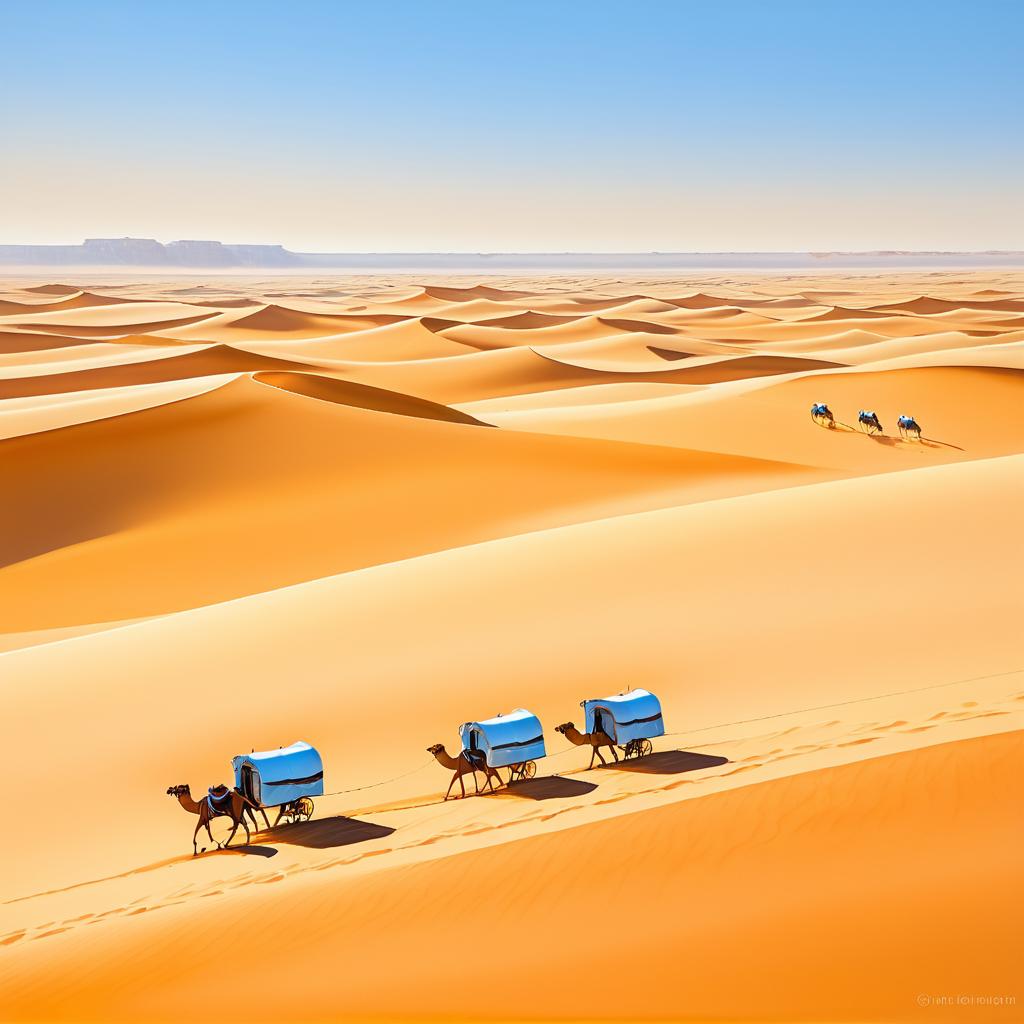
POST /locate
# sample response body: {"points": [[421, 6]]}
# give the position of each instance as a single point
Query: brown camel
{"points": [[462, 765], [231, 804], [595, 740]]}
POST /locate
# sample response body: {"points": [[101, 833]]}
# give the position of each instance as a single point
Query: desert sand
{"points": [[359, 511]]}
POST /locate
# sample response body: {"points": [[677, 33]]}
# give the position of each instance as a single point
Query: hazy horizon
{"points": [[677, 128]]}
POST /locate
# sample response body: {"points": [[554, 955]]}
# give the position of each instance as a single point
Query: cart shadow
{"points": [[669, 762], [553, 787], [326, 833]]}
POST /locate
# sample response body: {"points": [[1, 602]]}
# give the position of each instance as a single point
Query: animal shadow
{"points": [[249, 850], [884, 439], [669, 762], [327, 833], [552, 787], [934, 442]]}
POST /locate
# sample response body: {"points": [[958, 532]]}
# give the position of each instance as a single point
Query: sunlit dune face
{"points": [[360, 511]]}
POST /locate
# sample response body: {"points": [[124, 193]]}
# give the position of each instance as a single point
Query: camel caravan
{"points": [[867, 421], [627, 722], [288, 778]]}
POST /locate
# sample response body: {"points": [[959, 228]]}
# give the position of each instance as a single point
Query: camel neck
{"points": [[186, 801], [446, 760]]}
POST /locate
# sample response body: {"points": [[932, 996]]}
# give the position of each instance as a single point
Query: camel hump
{"points": [[219, 796]]}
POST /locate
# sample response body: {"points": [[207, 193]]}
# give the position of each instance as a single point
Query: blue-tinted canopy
{"points": [[505, 739], [281, 775], [626, 716]]}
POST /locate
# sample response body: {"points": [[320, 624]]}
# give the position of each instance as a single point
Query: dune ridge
{"points": [[361, 510]]}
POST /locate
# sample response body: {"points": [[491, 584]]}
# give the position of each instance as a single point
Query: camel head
{"points": [[178, 791], [436, 749], [564, 727]]}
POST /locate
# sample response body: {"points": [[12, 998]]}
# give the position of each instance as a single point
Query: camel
{"points": [[869, 422], [595, 740], [822, 415], [462, 765], [908, 425], [228, 803]]}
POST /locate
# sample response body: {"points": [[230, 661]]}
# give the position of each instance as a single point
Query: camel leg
{"points": [[462, 784], [195, 846], [450, 784], [280, 812], [600, 756], [210, 834], [614, 754], [593, 754], [232, 836]]}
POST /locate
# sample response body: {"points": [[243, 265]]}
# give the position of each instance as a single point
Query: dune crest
{"points": [[361, 510]]}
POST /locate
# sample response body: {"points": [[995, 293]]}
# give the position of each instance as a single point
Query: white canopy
{"points": [[505, 739], [281, 775], [626, 716]]}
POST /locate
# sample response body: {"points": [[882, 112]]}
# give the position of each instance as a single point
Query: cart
{"points": [[514, 741], [631, 720], [287, 778]]}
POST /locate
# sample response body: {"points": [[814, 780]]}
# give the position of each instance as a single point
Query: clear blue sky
{"points": [[516, 126]]}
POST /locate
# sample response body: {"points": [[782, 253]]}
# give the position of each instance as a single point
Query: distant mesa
{"points": [[148, 252], [205, 254]]}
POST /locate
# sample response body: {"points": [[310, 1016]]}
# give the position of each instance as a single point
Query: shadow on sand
{"points": [[933, 442], [669, 762], [884, 439], [326, 833], [553, 787], [250, 850]]}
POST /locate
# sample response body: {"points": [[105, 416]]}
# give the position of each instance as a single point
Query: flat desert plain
{"points": [[359, 511]]}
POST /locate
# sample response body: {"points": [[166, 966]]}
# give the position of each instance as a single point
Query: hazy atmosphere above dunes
{"points": [[408, 126]]}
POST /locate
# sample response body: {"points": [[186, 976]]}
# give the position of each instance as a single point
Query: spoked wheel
{"points": [[303, 809], [637, 748], [521, 771]]}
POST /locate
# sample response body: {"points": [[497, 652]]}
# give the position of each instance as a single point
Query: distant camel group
{"points": [[867, 420]]}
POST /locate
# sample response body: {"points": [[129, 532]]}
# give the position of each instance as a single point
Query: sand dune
{"points": [[195, 512], [73, 300], [359, 511], [402, 341]]}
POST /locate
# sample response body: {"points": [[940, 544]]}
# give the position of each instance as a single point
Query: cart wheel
{"points": [[645, 748], [529, 769], [304, 808]]}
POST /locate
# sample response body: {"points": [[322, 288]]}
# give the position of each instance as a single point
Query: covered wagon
{"points": [[514, 741], [631, 720], [287, 778]]}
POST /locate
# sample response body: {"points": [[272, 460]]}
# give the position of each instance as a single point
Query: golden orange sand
{"points": [[359, 511]]}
